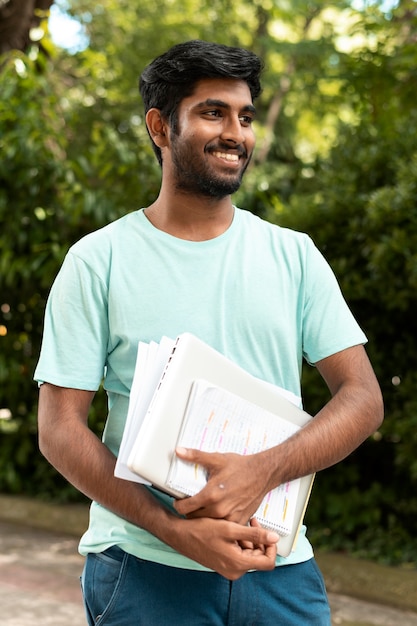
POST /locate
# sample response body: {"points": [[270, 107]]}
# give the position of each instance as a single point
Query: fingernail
{"points": [[272, 537], [180, 450]]}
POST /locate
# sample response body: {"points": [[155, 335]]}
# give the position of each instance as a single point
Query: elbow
{"points": [[380, 414], [44, 442], [377, 410], [47, 437]]}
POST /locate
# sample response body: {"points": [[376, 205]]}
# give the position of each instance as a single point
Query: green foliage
{"points": [[336, 157], [61, 176], [361, 210]]}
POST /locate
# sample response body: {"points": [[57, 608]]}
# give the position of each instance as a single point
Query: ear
{"points": [[158, 127]]}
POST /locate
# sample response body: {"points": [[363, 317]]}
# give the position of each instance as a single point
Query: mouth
{"points": [[232, 159], [227, 156]]}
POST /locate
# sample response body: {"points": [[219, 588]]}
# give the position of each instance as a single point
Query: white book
{"points": [[150, 363], [163, 404]]}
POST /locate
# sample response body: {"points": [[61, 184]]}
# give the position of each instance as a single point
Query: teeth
{"points": [[227, 156]]}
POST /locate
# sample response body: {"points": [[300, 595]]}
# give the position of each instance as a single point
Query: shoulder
{"points": [[106, 236], [285, 238], [94, 253], [98, 248]]}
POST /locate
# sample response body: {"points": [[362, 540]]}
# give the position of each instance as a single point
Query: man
{"points": [[262, 295]]}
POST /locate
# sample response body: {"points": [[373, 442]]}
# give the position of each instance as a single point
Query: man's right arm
{"points": [[74, 450]]}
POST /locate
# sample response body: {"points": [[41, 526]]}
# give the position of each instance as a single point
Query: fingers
{"points": [[207, 459], [255, 548], [247, 544], [226, 547], [259, 553], [254, 535], [231, 492], [255, 524], [260, 536], [196, 505]]}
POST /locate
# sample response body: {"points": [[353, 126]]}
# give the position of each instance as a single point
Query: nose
{"points": [[232, 132]]}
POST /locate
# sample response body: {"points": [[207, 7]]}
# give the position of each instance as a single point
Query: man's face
{"points": [[213, 144]]}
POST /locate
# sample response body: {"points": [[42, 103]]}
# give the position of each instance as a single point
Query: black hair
{"points": [[171, 77]]}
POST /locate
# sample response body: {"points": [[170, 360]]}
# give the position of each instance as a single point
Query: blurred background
{"points": [[336, 157]]}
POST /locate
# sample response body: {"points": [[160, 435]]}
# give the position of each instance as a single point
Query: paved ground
{"points": [[39, 584], [39, 578]]}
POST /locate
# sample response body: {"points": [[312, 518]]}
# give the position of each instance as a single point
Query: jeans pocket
{"points": [[101, 581]]}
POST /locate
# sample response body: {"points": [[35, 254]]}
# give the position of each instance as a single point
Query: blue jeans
{"points": [[122, 590]]}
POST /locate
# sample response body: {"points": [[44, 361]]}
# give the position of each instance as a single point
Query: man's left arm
{"points": [[237, 484]]}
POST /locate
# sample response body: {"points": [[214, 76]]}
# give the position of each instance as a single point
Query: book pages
{"points": [[217, 420]]}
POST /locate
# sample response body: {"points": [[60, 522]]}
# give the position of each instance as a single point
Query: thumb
{"points": [[262, 535]]}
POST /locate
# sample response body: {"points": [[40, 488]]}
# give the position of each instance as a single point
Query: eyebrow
{"points": [[212, 102]]}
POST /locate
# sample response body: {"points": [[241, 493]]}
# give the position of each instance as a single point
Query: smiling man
{"points": [[204, 156], [262, 295], [223, 127]]}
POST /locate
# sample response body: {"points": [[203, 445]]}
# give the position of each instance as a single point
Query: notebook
{"points": [[169, 380]]}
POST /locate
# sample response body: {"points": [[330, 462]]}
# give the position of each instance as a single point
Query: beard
{"points": [[194, 176]]}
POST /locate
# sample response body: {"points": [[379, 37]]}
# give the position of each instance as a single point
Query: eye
{"points": [[213, 113], [246, 120]]}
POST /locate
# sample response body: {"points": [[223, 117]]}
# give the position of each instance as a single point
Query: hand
{"points": [[233, 490], [228, 548]]}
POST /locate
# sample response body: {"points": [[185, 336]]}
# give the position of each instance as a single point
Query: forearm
{"points": [[88, 464], [70, 446], [353, 413], [331, 436], [78, 454], [223, 546]]}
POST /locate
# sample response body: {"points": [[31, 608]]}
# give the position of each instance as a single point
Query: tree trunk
{"points": [[17, 18]]}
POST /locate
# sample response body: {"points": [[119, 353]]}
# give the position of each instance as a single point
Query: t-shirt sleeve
{"points": [[76, 330], [328, 325]]}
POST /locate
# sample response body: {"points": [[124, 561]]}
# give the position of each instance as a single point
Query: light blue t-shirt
{"points": [[262, 295]]}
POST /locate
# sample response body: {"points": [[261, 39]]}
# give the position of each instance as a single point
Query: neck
{"points": [[190, 217]]}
